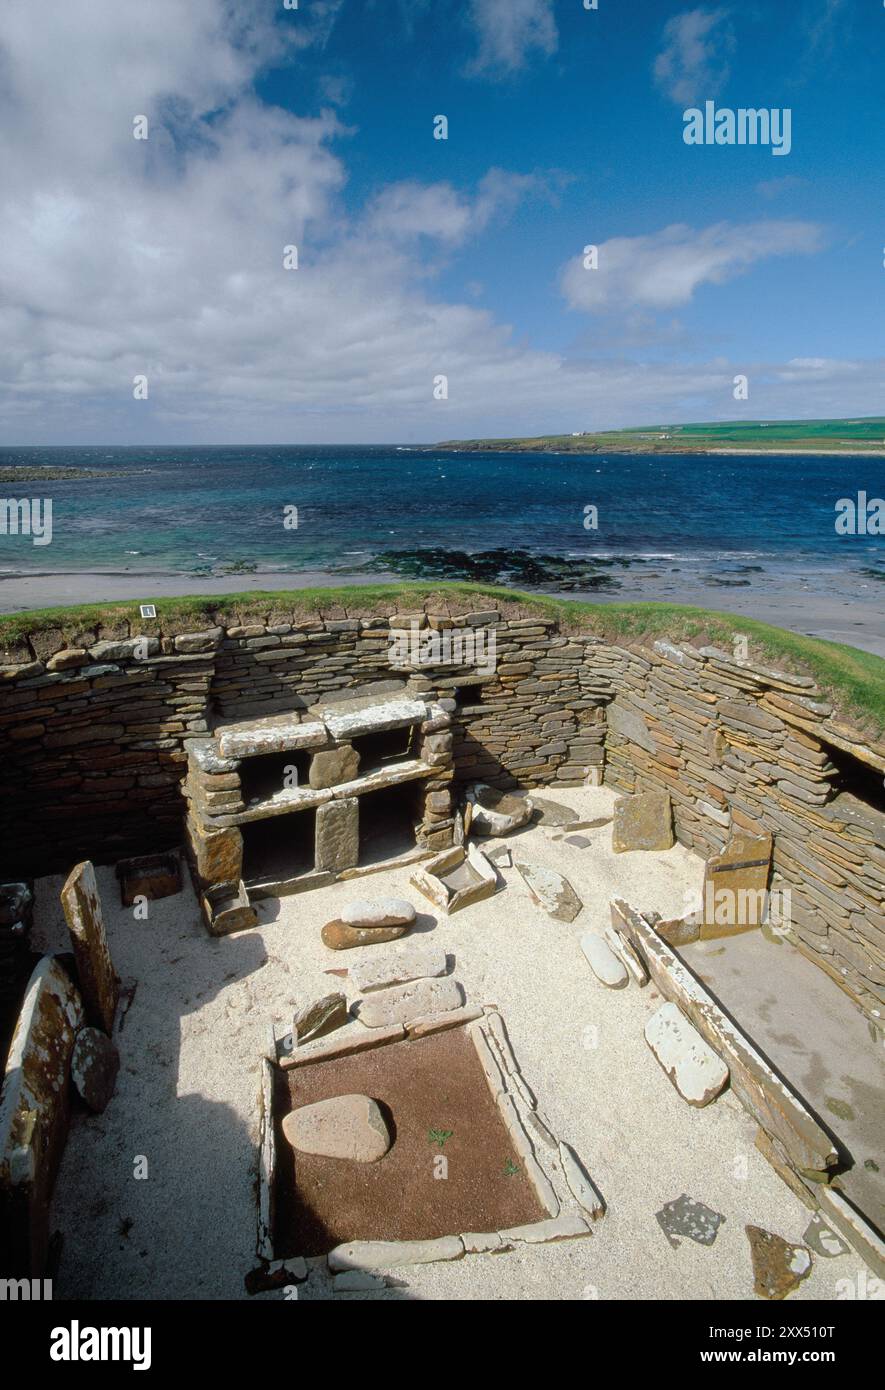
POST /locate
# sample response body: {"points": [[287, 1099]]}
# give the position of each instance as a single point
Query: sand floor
{"points": [[186, 1098]]}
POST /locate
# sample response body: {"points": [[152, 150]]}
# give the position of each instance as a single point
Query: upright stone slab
{"points": [[98, 983], [34, 1111], [608, 968], [338, 835], [217, 855], [319, 1017], [332, 766], [643, 821], [626, 721], [94, 1066], [735, 886]]}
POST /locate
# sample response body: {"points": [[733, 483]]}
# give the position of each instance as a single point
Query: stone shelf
{"points": [[371, 778], [277, 733], [303, 798], [340, 721], [354, 717]]}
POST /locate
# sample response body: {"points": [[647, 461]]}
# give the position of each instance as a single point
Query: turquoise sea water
{"points": [[186, 510]]}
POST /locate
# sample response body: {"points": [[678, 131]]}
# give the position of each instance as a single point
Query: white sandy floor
{"points": [[187, 1094]]}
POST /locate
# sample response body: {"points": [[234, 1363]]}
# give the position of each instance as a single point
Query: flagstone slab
{"points": [[550, 890], [643, 822], [696, 1071], [409, 1002]]}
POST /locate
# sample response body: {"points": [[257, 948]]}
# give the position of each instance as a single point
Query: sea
{"points": [[563, 523]]}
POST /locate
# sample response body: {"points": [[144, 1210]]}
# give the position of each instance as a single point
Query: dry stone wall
{"points": [[94, 734], [740, 745]]}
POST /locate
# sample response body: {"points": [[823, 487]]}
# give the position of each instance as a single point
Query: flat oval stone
{"points": [[94, 1065], [606, 966], [379, 912], [349, 1127], [338, 936]]}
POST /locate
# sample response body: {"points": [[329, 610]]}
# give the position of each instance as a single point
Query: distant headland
{"points": [[861, 436]]}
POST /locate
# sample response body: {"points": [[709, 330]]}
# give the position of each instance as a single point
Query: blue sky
{"points": [[419, 257]]}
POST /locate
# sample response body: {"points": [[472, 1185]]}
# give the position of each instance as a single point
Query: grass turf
{"points": [[854, 680]]}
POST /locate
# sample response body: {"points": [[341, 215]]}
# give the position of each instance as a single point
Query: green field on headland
{"points": [[738, 436], [854, 680]]}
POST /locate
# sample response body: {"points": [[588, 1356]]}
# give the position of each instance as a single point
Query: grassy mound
{"points": [[853, 680]]}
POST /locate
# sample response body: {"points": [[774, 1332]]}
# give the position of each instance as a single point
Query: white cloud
{"points": [[664, 270], [510, 32], [776, 187], [693, 64], [817, 369], [402, 211], [165, 257]]}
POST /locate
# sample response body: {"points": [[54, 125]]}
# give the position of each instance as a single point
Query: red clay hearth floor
{"points": [[432, 1083]]}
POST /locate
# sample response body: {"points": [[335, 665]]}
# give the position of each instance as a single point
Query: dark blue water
{"points": [[191, 510]]}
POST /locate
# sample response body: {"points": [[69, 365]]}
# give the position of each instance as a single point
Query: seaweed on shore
{"points": [[509, 567]]}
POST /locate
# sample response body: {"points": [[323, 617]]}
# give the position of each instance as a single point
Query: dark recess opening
{"points": [[279, 848], [467, 695], [262, 777], [856, 777], [383, 749], [387, 822]]}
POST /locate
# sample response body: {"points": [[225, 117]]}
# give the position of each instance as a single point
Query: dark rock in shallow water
{"points": [[517, 568]]}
